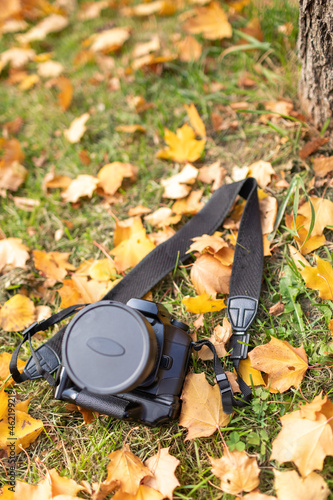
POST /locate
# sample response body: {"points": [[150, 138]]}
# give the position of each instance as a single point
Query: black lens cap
{"points": [[109, 348]]}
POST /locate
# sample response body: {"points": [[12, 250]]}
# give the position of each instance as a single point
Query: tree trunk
{"points": [[316, 54]]}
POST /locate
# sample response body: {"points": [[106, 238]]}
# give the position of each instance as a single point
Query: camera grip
{"points": [[107, 405]]}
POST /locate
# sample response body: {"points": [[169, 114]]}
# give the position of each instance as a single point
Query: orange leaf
{"points": [[324, 214], [63, 485], [126, 228], [262, 171], [323, 165], [163, 466], [210, 276], [53, 264], [111, 175], [210, 21], [237, 472], [220, 337], [143, 493], [195, 120], [66, 92], [189, 49], [109, 40], [190, 205], [17, 313], [201, 412]]}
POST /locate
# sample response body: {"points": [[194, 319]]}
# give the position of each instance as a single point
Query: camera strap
{"points": [[245, 285]]}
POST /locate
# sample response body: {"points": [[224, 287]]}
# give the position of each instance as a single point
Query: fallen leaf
{"points": [[141, 49], [212, 173], [211, 22], [139, 103], [312, 146], [54, 265], [207, 243], [126, 228], [63, 485], [91, 10], [66, 92], [323, 166], [262, 171], [129, 252], [12, 127], [190, 205], [161, 236], [299, 260], [195, 120], [319, 278], [250, 375], [28, 82], [131, 129], [290, 486], [17, 313], [203, 303], [209, 276], [189, 49], [163, 466], [162, 217], [90, 290], [103, 270], [83, 185], [160, 7], [176, 187], [127, 469], [306, 245], [69, 294], [9, 8], [284, 364], [53, 181], [201, 412], [33, 492], [109, 40], [304, 442], [237, 472], [5, 358], [17, 57], [77, 128], [323, 214], [51, 24], [13, 253], [257, 495], [112, 175], [182, 145], [27, 204], [138, 210], [220, 337], [143, 493], [276, 309], [268, 210], [50, 69]]}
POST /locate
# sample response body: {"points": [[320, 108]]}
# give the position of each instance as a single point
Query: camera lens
{"points": [[109, 348]]}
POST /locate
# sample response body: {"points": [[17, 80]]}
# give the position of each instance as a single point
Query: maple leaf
{"points": [[210, 276], [69, 294], [129, 252], [162, 217], [92, 10], [209, 243], [161, 7], [298, 258], [319, 405], [203, 303], [220, 337], [143, 493], [195, 120], [90, 290], [13, 253], [111, 175], [304, 442], [126, 228], [284, 364], [210, 21], [323, 214], [77, 128], [127, 469], [109, 40], [262, 171], [103, 270], [176, 187], [201, 412], [17, 313], [323, 166], [54, 265], [63, 485], [250, 375], [237, 472], [83, 185], [290, 486], [27, 429], [213, 173], [51, 24], [182, 145], [189, 49], [17, 57], [5, 358], [319, 278], [131, 129], [305, 244], [50, 69], [163, 466]]}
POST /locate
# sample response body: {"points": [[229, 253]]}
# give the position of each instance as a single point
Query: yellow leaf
{"points": [[163, 466], [323, 165], [90, 290], [9, 8], [112, 174], [203, 303], [207, 243], [210, 21], [210, 276], [250, 375], [54, 265], [17, 313], [5, 358], [284, 364], [7, 494], [237, 472], [323, 214], [91, 10], [201, 412], [17, 57], [312, 243], [129, 252], [28, 82], [38, 491], [190, 205], [262, 171], [13, 253], [319, 278], [63, 485], [189, 49], [160, 7], [195, 120], [83, 185], [69, 294], [77, 128], [299, 260], [131, 129], [126, 228], [304, 442], [162, 217], [127, 469], [290, 486], [182, 146], [103, 270]]}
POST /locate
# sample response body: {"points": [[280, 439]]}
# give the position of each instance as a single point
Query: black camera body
{"points": [[127, 361]]}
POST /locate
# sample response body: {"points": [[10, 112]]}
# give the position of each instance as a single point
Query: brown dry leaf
{"points": [[63, 485], [212, 173], [131, 129], [268, 210], [126, 228], [17, 313], [52, 181], [284, 364], [138, 210], [160, 7], [142, 49], [237, 472], [324, 214], [143, 493], [209, 276], [112, 175], [109, 40], [312, 243], [9, 8], [195, 120], [13, 253], [312, 146], [83, 185], [201, 412], [276, 309], [12, 127], [127, 469], [88, 415], [319, 278], [91, 10], [323, 166], [12, 173], [176, 187], [304, 442], [162, 217], [66, 92], [54, 265], [219, 338], [207, 243], [152, 62], [139, 103], [129, 252], [163, 466], [282, 107], [51, 24], [26, 431], [182, 145], [27, 204], [189, 49], [250, 375], [211, 22], [290, 486], [17, 57], [163, 235], [77, 128], [190, 205], [262, 171], [203, 303]]}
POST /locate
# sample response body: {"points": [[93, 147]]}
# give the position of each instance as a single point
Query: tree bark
{"points": [[315, 45]]}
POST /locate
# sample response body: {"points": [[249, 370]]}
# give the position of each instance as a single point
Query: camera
{"points": [[128, 361]]}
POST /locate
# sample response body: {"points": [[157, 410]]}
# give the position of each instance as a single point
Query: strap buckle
{"points": [[238, 345]]}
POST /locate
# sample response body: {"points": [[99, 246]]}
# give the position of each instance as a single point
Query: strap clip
{"points": [[238, 345], [224, 383], [29, 330]]}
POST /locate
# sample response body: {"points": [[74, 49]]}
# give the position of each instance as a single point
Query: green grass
{"points": [[81, 451]]}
